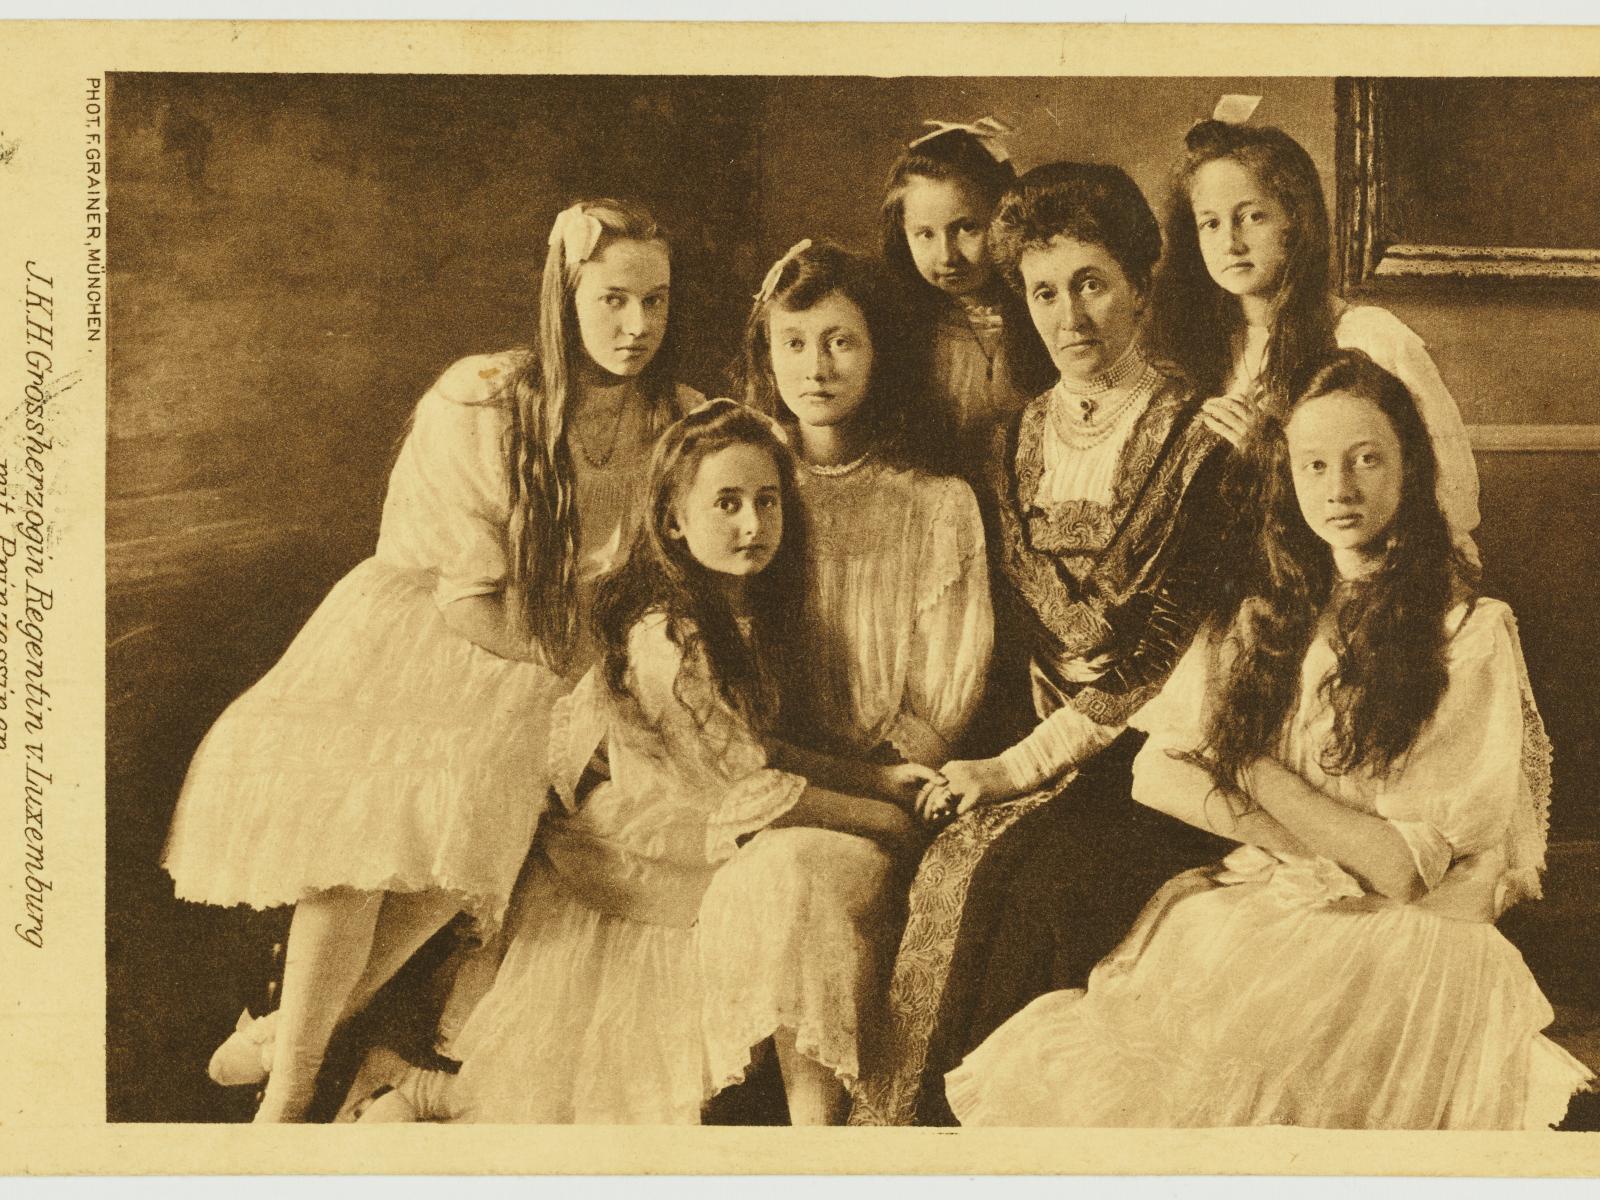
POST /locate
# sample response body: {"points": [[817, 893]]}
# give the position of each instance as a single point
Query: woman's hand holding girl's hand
{"points": [[1230, 417], [904, 783], [935, 803], [978, 781]]}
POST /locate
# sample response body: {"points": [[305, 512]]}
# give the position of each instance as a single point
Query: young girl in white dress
{"points": [[1243, 303], [1364, 727], [796, 931], [974, 359], [385, 774], [659, 770]]}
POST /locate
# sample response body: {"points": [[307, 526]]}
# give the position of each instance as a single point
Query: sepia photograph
{"points": [[1052, 601]]}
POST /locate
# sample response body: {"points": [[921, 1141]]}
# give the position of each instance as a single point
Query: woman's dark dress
{"points": [[1024, 897]]}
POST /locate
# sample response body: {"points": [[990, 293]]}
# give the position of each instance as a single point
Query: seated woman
{"points": [[1361, 727], [1101, 498]]}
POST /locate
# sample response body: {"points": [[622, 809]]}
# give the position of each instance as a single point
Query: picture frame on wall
{"points": [[1467, 179]]}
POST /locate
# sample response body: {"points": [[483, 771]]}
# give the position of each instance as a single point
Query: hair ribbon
{"points": [[1235, 110], [769, 285], [988, 131], [577, 231]]}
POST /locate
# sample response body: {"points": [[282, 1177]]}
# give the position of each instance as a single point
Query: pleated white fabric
{"points": [[384, 751], [1275, 989], [595, 1015]]}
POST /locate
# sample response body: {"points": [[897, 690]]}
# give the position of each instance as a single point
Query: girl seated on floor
{"points": [[659, 771], [1364, 728]]}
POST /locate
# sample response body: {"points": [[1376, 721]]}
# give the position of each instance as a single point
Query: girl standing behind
{"points": [[595, 1014], [1243, 303], [974, 359], [387, 772], [1361, 727], [796, 931]]}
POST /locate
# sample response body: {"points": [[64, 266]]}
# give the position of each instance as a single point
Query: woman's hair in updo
{"points": [[1089, 202]]}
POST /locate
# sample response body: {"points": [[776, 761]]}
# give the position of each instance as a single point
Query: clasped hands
{"points": [[938, 796]]}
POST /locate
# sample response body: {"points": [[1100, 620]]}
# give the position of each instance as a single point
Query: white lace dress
{"points": [[594, 1017], [384, 751], [1274, 989], [796, 931]]}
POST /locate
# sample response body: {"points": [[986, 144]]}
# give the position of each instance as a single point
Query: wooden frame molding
{"points": [[1368, 247]]}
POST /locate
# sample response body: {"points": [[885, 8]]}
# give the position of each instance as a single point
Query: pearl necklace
{"points": [[834, 470], [1124, 370], [1092, 428]]}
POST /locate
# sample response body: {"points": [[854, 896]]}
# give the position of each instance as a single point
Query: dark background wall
{"points": [[294, 258]]}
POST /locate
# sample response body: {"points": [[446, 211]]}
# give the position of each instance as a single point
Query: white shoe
{"points": [[246, 1056], [380, 1071]]}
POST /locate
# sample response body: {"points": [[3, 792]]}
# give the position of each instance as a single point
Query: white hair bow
{"points": [[1235, 110], [770, 283], [988, 131], [577, 231]]}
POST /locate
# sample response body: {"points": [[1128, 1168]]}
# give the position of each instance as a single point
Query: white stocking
{"points": [[815, 1095], [407, 920], [330, 939]]}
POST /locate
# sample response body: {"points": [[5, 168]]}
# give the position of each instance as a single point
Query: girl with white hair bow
{"points": [[387, 773]]}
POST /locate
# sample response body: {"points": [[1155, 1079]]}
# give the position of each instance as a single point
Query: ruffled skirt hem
{"points": [[1245, 1005], [730, 1054], [592, 1019], [795, 933], [383, 751]]}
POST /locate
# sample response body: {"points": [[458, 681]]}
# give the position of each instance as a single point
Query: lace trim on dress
{"points": [[922, 967], [1529, 834], [840, 531], [951, 541], [750, 804], [1070, 594]]}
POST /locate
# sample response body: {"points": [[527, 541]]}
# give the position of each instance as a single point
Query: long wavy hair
{"points": [[1195, 325], [1387, 629], [806, 280], [955, 157], [660, 575], [541, 585]]}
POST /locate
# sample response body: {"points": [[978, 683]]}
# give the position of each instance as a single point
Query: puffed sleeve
{"points": [[1453, 793], [1395, 347], [709, 752], [1175, 721], [953, 631], [447, 504]]}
